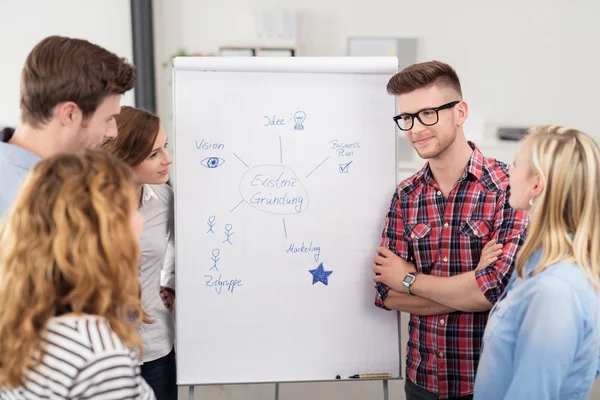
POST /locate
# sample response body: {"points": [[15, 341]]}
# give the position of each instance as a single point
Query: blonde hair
{"points": [[565, 220], [67, 246]]}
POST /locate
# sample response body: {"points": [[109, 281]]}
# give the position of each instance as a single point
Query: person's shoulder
{"points": [[495, 174], [568, 274], [91, 332], [163, 192], [412, 184], [566, 280]]}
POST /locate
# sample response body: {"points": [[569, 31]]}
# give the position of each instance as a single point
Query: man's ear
{"points": [[463, 113], [68, 113]]}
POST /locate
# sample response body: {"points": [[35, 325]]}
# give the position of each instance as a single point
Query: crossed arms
{"points": [[471, 291]]}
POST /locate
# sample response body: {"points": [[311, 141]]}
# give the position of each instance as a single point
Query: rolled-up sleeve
{"points": [[510, 228], [393, 239]]}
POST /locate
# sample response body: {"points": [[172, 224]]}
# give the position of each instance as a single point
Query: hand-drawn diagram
{"points": [[344, 167], [320, 275], [211, 224], [228, 233], [275, 189], [215, 258], [299, 117], [218, 283], [212, 162]]}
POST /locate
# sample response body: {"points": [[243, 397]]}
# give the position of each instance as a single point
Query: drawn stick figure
{"points": [[215, 258], [228, 233], [211, 224]]}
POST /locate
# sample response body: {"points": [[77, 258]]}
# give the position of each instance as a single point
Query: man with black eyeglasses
{"points": [[450, 238]]}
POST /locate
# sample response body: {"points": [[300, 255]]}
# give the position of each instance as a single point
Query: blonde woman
{"points": [[68, 279], [542, 338]]}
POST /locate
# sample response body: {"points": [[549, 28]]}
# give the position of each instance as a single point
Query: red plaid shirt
{"points": [[444, 237]]}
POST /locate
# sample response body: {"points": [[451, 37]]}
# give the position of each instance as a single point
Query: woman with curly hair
{"points": [[69, 259]]}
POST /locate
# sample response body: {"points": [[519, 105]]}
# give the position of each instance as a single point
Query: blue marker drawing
{"points": [[280, 151], [228, 233], [344, 149], [219, 284], [237, 205], [215, 258], [274, 189], [212, 162], [204, 145], [344, 167], [242, 161], [211, 224], [320, 275], [274, 121], [284, 229], [323, 162], [299, 117], [303, 248]]}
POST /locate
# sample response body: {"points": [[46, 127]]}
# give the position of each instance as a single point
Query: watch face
{"points": [[409, 278]]}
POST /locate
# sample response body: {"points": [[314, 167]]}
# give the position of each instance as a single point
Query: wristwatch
{"points": [[407, 282]]}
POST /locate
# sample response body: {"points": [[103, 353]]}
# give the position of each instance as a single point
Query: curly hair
{"points": [[67, 246]]}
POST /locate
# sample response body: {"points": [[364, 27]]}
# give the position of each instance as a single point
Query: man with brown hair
{"points": [[71, 91], [450, 238]]}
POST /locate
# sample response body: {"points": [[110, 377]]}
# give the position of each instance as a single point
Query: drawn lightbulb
{"points": [[299, 118]]}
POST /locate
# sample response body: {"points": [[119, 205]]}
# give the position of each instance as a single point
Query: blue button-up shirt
{"points": [[15, 164], [542, 340]]}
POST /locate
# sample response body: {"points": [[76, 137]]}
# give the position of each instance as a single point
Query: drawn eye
{"points": [[212, 162]]}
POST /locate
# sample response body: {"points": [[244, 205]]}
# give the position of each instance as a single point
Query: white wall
{"points": [[23, 23], [520, 61]]}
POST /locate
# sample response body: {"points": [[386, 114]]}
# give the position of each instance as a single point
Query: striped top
{"points": [[83, 359]]}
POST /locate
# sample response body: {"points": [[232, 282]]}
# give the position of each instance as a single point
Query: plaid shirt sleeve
{"points": [[510, 229], [392, 238]]}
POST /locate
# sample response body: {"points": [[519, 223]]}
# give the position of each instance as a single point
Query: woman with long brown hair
{"points": [[69, 257], [142, 144]]}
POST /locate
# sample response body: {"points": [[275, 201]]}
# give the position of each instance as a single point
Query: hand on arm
{"points": [[168, 297], [489, 255], [477, 290], [460, 292], [391, 270]]}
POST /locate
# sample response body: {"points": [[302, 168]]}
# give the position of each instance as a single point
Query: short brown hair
{"points": [[61, 69], [138, 130], [422, 75]]}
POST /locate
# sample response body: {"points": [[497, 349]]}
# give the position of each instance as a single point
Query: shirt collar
{"points": [[474, 166], [147, 194]]}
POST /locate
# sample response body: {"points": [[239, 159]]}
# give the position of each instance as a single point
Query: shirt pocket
{"points": [[476, 228], [421, 248]]}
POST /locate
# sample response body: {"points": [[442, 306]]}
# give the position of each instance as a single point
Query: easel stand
{"points": [[386, 391]]}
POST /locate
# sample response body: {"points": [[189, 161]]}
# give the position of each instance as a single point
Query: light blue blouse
{"points": [[542, 337]]}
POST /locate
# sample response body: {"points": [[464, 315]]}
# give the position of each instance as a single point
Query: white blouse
{"points": [[157, 244]]}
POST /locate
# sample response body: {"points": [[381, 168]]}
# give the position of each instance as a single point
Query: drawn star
{"points": [[320, 275]]}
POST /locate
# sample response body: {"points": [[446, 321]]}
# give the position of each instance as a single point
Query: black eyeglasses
{"points": [[427, 117]]}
